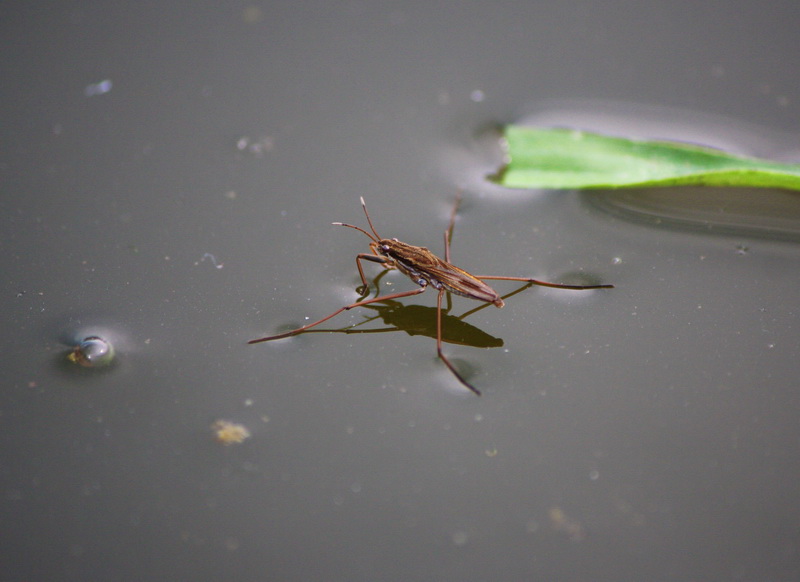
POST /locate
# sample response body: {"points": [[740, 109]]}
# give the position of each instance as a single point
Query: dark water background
{"points": [[169, 174]]}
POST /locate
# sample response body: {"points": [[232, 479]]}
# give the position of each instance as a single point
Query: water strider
{"points": [[425, 268]]}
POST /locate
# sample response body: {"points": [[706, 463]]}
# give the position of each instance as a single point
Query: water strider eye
{"points": [[385, 247]]}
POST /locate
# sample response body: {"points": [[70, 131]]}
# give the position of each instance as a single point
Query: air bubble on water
{"points": [[92, 352]]}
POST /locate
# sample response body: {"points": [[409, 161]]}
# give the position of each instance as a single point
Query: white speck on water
{"points": [[211, 258], [460, 537], [100, 88], [256, 147]]}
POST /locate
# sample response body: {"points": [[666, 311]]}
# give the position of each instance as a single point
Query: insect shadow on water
{"points": [[418, 320], [424, 268], [422, 320]]}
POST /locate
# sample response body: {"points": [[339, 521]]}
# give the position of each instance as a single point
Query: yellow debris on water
{"points": [[230, 433]]}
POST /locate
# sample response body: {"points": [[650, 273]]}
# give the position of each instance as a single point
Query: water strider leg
{"points": [[439, 344], [448, 234], [543, 283], [386, 262], [416, 291]]}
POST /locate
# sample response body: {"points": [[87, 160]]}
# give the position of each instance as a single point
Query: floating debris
{"points": [[210, 257], [561, 522], [230, 433], [92, 352]]}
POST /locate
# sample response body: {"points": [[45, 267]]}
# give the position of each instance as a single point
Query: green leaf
{"points": [[569, 159]]}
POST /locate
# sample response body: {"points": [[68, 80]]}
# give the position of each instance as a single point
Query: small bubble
{"points": [[742, 249], [92, 352], [616, 261], [594, 475]]}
